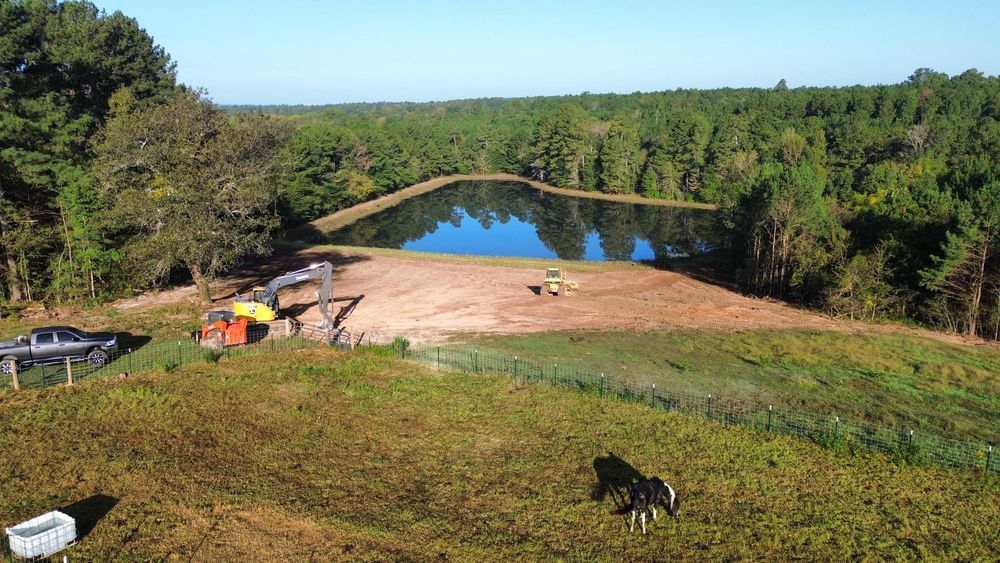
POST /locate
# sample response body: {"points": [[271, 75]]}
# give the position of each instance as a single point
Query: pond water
{"points": [[515, 219]]}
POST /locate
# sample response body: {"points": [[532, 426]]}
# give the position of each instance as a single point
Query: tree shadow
{"points": [[615, 477], [260, 272], [88, 512]]}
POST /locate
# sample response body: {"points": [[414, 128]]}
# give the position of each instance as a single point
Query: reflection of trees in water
{"points": [[561, 223]]}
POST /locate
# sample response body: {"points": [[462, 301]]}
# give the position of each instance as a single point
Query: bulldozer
{"points": [[230, 328], [555, 282]]}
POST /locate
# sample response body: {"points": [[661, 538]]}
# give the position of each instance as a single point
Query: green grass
{"points": [[323, 455], [913, 382]]}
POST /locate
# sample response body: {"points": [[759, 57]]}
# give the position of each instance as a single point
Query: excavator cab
{"points": [[254, 307]]}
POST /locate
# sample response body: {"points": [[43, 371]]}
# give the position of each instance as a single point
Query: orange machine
{"points": [[222, 333]]}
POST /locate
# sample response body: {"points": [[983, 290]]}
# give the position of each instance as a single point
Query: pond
{"points": [[490, 218]]}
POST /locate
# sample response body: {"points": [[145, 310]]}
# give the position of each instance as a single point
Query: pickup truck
{"points": [[52, 345]]}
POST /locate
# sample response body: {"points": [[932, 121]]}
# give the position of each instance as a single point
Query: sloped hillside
{"points": [[321, 455]]}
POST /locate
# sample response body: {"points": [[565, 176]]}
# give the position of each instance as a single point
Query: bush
{"points": [[211, 356], [400, 345]]}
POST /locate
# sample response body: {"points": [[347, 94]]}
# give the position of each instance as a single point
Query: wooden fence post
{"points": [[288, 328], [13, 374], [69, 372]]}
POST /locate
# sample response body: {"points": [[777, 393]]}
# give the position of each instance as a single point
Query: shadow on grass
{"points": [[614, 478], [129, 341], [88, 512]]}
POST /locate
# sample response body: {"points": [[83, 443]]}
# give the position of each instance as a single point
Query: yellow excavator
{"points": [[225, 328], [262, 303]]}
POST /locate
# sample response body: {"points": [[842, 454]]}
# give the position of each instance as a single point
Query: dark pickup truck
{"points": [[52, 345]]}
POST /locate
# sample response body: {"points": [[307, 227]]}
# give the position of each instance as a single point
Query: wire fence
{"points": [[151, 356], [830, 431]]}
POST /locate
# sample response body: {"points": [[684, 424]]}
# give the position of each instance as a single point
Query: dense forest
{"points": [[866, 201]]}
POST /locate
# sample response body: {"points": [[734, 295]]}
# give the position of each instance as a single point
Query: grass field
{"points": [[322, 455], [927, 385]]}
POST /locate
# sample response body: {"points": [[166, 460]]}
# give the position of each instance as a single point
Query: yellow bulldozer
{"points": [[555, 282]]}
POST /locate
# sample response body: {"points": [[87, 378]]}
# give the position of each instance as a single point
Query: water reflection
{"points": [[514, 219]]}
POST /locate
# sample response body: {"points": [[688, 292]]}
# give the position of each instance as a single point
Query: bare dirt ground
{"points": [[430, 300]]}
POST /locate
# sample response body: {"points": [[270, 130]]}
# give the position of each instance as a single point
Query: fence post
{"points": [[130, 360], [710, 406], [602, 385], [13, 375], [836, 426], [769, 409], [653, 401], [179, 358], [288, 328], [989, 454], [515, 370], [475, 361], [439, 357], [555, 373], [69, 372]]}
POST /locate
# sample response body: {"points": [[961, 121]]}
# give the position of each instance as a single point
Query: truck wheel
{"points": [[7, 367], [97, 358]]}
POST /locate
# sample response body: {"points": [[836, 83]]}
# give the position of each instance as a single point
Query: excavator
{"points": [[225, 328]]}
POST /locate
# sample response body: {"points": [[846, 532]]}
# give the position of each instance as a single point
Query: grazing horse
{"points": [[645, 495]]}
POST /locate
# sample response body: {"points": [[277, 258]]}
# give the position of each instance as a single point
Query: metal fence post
{"points": [[130, 360], [515, 369], [769, 409], [602, 385], [555, 373], [836, 426], [439, 357], [653, 401], [989, 455], [710, 406], [475, 361], [179, 357]]}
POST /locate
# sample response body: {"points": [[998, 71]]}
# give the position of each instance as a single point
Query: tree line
{"points": [[872, 202], [866, 201]]}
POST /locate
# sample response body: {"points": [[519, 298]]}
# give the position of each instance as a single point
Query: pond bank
{"points": [[347, 216]]}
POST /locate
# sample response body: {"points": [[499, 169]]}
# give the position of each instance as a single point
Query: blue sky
{"points": [[313, 52]]}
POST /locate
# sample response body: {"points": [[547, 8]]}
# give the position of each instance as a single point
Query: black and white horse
{"points": [[645, 495]]}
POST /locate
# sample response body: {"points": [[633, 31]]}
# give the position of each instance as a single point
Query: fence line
{"points": [[827, 430], [160, 355], [831, 431]]}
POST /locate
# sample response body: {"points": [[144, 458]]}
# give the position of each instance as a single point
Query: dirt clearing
{"points": [[430, 299]]}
